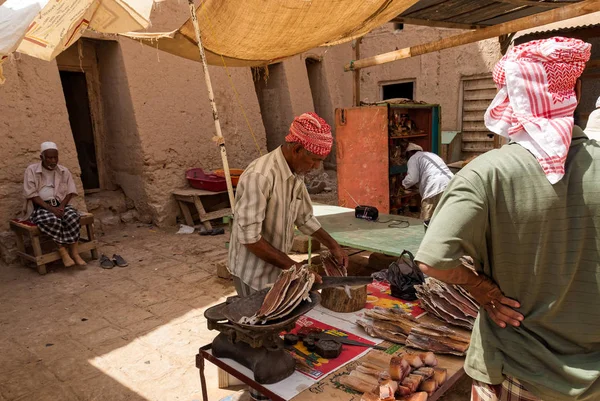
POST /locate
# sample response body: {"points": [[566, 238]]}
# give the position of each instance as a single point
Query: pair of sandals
{"points": [[117, 260]]}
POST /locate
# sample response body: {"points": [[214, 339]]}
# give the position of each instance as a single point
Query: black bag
{"points": [[403, 275]]}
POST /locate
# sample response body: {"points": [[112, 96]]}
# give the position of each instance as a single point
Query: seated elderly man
{"points": [[48, 188]]}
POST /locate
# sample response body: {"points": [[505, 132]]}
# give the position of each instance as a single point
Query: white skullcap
{"points": [[414, 146], [598, 103], [48, 145]]}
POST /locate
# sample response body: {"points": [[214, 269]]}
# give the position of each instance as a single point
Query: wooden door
{"points": [[362, 157]]}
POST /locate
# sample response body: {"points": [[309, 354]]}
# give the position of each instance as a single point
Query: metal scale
{"points": [[259, 347]]}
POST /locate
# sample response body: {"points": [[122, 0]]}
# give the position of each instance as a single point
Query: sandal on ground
{"points": [[106, 263], [119, 261]]}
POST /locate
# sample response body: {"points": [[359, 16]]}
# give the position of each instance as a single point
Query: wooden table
{"points": [[328, 388], [191, 198], [381, 236]]}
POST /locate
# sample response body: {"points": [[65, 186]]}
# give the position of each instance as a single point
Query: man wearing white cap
{"points": [[429, 171], [48, 188], [592, 129]]}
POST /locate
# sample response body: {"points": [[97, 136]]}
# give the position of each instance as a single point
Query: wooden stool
{"points": [[37, 256], [190, 199]]}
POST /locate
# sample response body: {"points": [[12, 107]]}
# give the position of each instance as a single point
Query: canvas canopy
{"points": [[44, 28], [259, 32]]}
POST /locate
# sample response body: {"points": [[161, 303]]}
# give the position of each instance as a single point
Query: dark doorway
{"points": [[78, 105], [402, 90]]}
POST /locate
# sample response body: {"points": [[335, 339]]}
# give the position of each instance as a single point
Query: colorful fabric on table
{"points": [[312, 132], [536, 99]]}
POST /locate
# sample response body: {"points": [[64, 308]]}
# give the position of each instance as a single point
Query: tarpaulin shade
{"points": [[44, 28], [259, 32]]}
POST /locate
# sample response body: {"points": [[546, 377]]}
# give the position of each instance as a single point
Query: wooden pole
{"points": [[356, 73], [532, 21], [213, 105]]}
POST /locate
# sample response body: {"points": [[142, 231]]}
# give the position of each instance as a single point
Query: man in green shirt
{"points": [[532, 225]]}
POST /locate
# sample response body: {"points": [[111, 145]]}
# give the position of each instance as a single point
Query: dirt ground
{"points": [[123, 334]]}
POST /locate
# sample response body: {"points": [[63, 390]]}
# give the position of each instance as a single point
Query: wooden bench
{"points": [[191, 199], [27, 229]]}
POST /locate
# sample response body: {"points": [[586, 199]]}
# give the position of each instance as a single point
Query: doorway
{"points": [[75, 86], [404, 90]]}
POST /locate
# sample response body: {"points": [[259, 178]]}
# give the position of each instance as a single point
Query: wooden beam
{"points": [[434, 23], [532, 21], [536, 3], [356, 81]]}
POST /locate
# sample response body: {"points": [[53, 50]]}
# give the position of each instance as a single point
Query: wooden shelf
{"points": [[409, 136]]}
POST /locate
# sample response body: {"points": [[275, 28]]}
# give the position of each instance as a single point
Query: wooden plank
{"points": [[448, 9], [347, 230], [217, 214], [485, 13], [537, 3], [196, 192], [487, 94], [185, 210], [434, 23], [547, 17]]}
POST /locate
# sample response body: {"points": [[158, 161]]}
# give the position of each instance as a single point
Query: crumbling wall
{"points": [[33, 111]]}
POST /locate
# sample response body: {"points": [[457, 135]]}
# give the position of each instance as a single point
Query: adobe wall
{"points": [[173, 120], [437, 75], [32, 109]]}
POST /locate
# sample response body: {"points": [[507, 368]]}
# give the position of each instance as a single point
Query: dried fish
{"points": [[387, 389], [429, 386], [331, 266], [368, 371], [428, 358], [364, 377], [376, 332], [369, 397], [356, 384], [420, 396], [440, 375], [399, 368], [451, 304], [424, 371], [292, 287], [433, 344], [413, 360]]}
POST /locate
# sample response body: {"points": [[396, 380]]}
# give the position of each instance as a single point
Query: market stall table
{"points": [[390, 235], [323, 379]]}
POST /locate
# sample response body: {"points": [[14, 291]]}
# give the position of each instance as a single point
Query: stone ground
{"points": [[122, 334]]}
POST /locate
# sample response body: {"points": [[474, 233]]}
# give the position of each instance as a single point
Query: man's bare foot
{"points": [[79, 260], [75, 255], [66, 258]]}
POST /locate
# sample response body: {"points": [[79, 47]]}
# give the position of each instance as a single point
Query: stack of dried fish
{"points": [[292, 287], [382, 377], [450, 303], [439, 339], [331, 266], [389, 324], [398, 327]]}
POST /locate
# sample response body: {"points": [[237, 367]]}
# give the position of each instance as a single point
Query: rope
{"points": [[237, 95]]}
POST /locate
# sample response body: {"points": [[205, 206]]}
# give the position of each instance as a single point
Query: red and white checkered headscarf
{"points": [[536, 99], [312, 132]]}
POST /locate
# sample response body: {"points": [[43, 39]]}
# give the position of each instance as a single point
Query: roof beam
{"points": [[434, 23], [532, 21], [536, 3]]}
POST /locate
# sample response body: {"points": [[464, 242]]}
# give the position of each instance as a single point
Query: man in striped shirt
{"points": [[271, 200]]}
